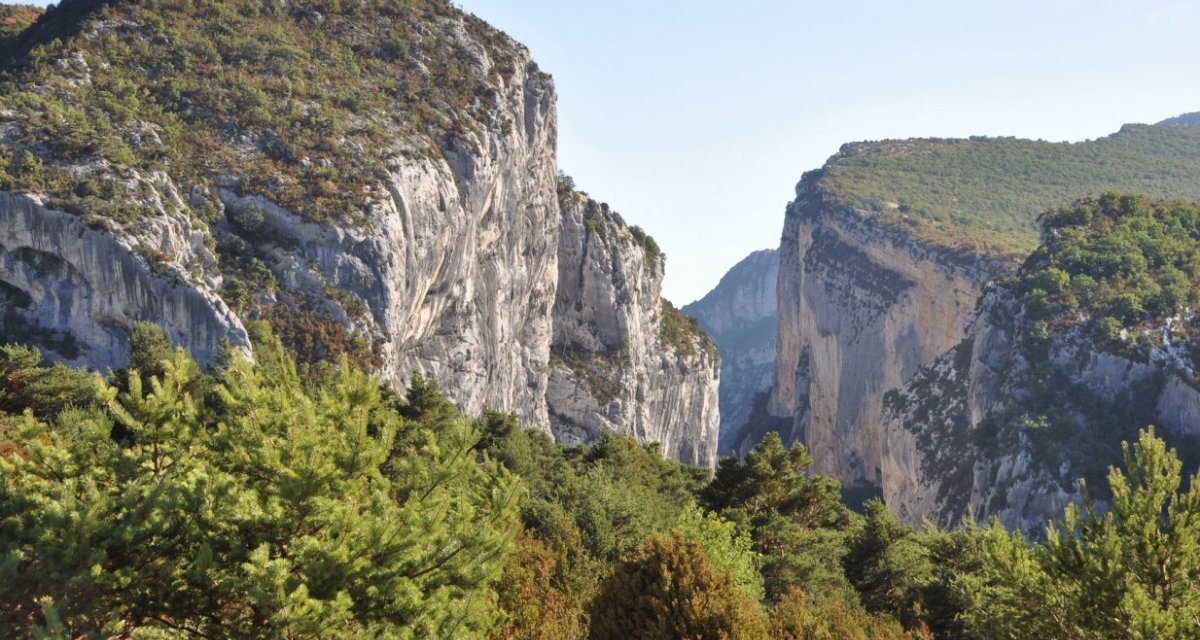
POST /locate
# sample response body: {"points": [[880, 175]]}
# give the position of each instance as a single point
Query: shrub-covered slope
{"points": [[985, 193]]}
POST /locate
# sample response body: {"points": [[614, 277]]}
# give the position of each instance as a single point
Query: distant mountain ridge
{"points": [[740, 315], [1185, 120]]}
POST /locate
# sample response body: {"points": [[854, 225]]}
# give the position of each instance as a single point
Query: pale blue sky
{"points": [[695, 119]]}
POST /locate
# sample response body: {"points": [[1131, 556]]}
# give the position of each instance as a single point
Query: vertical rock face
{"points": [[740, 315], [861, 307], [623, 360], [450, 268], [78, 291], [458, 264], [957, 438]]}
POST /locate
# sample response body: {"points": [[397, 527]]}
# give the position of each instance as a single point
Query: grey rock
{"points": [[740, 315], [611, 369]]}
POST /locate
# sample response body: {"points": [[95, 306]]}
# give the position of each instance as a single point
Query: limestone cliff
{"points": [[1063, 361], [400, 209], [739, 314], [623, 359], [862, 306], [886, 250], [77, 291]]}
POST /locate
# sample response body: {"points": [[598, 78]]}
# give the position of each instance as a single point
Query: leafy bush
{"points": [[1120, 259], [667, 588]]}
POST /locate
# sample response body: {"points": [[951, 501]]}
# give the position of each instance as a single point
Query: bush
{"points": [[668, 588]]}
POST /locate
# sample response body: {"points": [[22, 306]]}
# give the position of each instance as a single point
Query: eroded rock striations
{"points": [[452, 268], [862, 306], [78, 290], [740, 315], [623, 359]]}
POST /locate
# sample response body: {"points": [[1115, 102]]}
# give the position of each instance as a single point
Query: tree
{"points": [[888, 565], [149, 348], [268, 509], [800, 616], [46, 391], [1129, 572], [797, 521], [728, 548], [667, 589]]}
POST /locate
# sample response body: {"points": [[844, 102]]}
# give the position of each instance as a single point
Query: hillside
{"points": [[305, 102], [378, 180], [984, 194]]}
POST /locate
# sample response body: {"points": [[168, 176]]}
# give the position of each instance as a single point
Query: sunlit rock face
{"points": [[451, 271], [620, 361], [862, 306]]}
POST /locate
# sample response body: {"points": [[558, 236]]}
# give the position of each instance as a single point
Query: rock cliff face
{"points": [[963, 437], [740, 315], [457, 265], [444, 261], [77, 291], [861, 307], [451, 273], [624, 360]]}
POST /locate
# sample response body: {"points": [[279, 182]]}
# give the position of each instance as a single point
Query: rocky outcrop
{"points": [[861, 307], [740, 316], [456, 265], [967, 434], [623, 360], [77, 291]]}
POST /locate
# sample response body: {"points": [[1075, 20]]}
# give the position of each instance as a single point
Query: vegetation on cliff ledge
{"points": [[1123, 261], [302, 102]]}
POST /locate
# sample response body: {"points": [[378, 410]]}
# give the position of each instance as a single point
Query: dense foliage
{"points": [[1121, 260], [986, 193], [253, 501], [247, 504], [1118, 273], [1129, 572], [672, 575]]}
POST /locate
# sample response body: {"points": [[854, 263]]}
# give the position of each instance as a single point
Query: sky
{"points": [[695, 119]]}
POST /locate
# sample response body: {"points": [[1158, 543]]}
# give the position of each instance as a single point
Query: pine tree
{"points": [[1132, 571], [797, 521], [265, 509]]}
